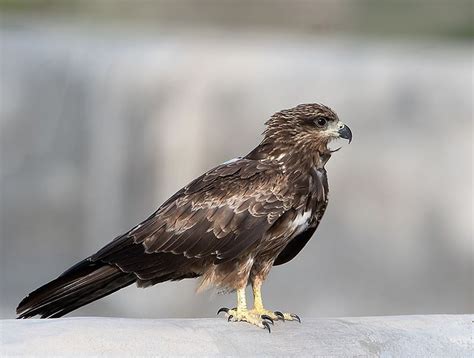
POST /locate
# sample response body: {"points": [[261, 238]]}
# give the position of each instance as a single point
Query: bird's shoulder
{"points": [[232, 183]]}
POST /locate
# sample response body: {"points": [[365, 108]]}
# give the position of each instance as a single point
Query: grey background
{"points": [[105, 112]]}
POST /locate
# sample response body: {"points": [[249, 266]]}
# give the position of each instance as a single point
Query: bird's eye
{"points": [[321, 121]]}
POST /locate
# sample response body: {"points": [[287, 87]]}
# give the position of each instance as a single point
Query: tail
{"points": [[81, 284]]}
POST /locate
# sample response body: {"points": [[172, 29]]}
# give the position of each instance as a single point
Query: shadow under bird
{"points": [[229, 227]]}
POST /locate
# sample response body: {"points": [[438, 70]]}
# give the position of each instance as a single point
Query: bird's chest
{"points": [[315, 202], [301, 222], [318, 189], [312, 193]]}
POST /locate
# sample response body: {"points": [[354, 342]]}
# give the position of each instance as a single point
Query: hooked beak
{"points": [[345, 132]]}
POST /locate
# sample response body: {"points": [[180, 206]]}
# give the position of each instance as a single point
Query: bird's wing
{"points": [[294, 247], [219, 215]]}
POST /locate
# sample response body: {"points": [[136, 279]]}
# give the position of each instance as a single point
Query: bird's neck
{"points": [[292, 157]]}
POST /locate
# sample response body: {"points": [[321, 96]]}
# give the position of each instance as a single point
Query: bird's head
{"points": [[312, 126]]}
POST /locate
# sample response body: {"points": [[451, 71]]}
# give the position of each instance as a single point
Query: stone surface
{"points": [[392, 336]]}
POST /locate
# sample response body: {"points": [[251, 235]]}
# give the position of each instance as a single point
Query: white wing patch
{"points": [[301, 223]]}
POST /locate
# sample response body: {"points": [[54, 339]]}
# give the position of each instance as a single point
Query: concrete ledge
{"points": [[397, 336]]}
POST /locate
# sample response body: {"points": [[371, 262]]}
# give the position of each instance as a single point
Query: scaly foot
{"points": [[244, 315], [276, 315]]}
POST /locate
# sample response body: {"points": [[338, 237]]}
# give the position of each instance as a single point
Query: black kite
{"points": [[229, 226]]}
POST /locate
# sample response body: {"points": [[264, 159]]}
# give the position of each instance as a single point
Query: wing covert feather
{"points": [[219, 214]]}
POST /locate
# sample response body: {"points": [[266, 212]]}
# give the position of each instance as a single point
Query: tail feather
{"points": [[82, 284]]}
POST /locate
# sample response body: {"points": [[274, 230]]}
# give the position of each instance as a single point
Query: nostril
{"points": [[340, 125]]}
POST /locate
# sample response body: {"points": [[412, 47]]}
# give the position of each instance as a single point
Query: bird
{"points": [[228, 227]]}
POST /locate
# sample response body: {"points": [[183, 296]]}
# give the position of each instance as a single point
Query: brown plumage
{"points": [[229, 226]]}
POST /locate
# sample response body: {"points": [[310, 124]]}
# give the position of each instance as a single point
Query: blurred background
{"points": [[108, 107]]}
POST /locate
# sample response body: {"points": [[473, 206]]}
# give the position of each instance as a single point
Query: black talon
{"points": [[279, 315], [267, 326], [230, 317], [268, 318], [223, 309], [296, 316]]}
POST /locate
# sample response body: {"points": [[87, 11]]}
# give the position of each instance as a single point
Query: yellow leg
{"points": [[257, 294], [261, 311], [242, 314], [241, 300]]}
